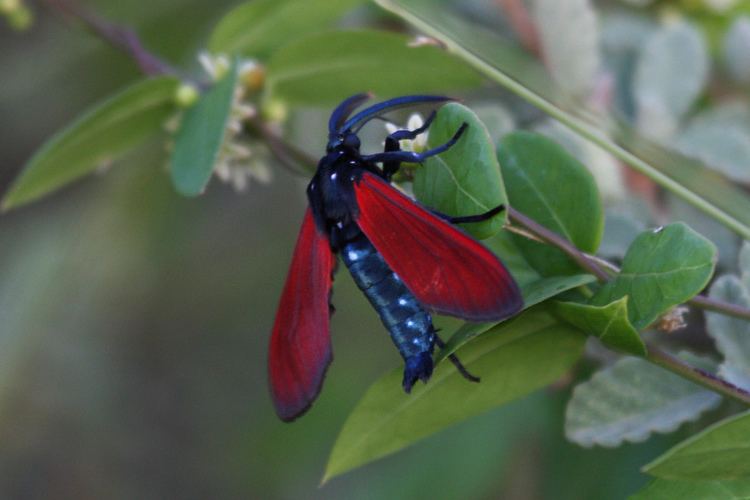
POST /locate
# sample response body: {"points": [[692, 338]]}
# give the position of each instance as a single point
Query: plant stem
{"points": [[596, 265], [701, 377], [555, 239], [578, 125], [120, 37], [719, 306]]}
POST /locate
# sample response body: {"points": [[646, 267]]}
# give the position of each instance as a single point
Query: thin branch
{"points": [[711, 304], [292, 158], [554, 239], [119, 37], [701, 377], [596, 265]]}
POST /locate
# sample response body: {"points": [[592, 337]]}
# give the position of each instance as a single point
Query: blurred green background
{"points": [[135, 324]]}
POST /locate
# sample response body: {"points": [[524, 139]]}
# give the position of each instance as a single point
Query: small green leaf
{"points": [[546, 288], [322, 69], [515, 358], [608, 323], [720, 452], [547, 184], [662, 268], [630, 400], [96, 138], [256, 28], [465, 180], [732, 335], [201, 135], [664, 489], [534, 293]]}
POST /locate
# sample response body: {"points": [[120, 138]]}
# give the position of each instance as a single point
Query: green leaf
{"points": [[732, 335], [553, 188], [96, 138], [465, 180], [257, 28], [664, 489], [534, 293], [201, 135], [629, 401], [720, 452], [322, 69], [608, 323], [662, 268], [480, 44], [515, 358]]}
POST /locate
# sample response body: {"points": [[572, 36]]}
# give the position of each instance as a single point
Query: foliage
{"points": [[565, 191]]}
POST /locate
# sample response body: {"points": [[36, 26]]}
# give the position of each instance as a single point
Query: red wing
{"points": [[446, 269], [300, 349]]}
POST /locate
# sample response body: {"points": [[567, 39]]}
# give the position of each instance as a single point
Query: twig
{"points": [[292, 158], [719, 306], [597, 266], [554, 239], [708, 380], [120, 37]]}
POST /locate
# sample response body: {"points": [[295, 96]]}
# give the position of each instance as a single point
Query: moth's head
{"points": [[346, 140]]}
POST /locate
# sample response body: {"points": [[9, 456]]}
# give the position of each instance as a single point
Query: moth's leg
{"points": [[392, 144], [412, 157], [456, 362], [470, 218]]}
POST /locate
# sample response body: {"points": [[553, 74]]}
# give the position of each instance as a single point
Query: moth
{"points": [[408, 260]]}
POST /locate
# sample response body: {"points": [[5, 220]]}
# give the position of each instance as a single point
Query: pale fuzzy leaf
{"points": [[732, 335], [623, 32], [732, 112], [602, 165], [723, 148], [671, 73], [629, 401], [569, 33], [655, 120], [738, 375], [737, 49], [744, 260]]}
